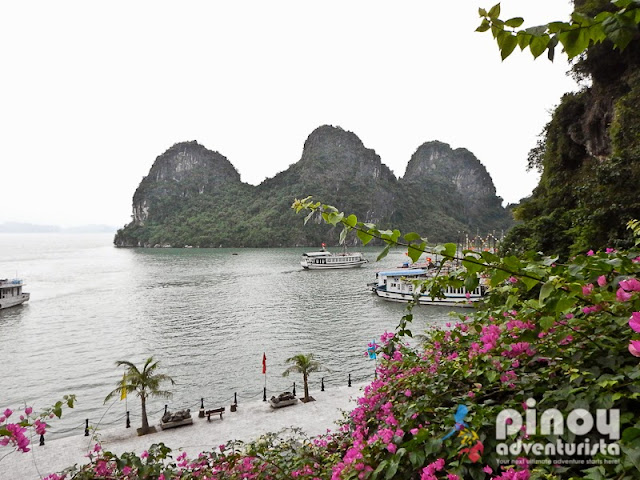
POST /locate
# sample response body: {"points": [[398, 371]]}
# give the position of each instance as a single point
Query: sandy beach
{"points": [[249, 422]]}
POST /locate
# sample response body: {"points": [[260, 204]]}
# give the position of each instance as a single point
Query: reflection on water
{"points": [[206, 314]]}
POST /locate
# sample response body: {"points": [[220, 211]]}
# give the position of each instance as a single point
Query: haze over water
{"points": [[206, 314]]}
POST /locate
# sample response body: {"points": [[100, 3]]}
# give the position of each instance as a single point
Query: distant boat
{"points": [[397, 286], [324, 260], [11, 293]]}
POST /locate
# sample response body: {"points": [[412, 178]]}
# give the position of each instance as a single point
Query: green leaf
{"points": [[630, 434], [546, 290], [622, 3], [450, 249], [384, 252], [343, 235], [529, 282], [482, 12], [511, 301], [508, 46], [333, 218], [553, 42], [472, 264], [412, 237], [308, 217], [538, 31], [489, 257], [514, 22], [494, 12], [565, 303], [574, 41], [498, 277], [538, 45], [416, 458], [547, 322], [380, 468], [364, 236], [351, 220], [513, 263], [415, 252], [484, 26], [524, 39], [620, 29], [632, 454], [470, 283], [393, 468]]}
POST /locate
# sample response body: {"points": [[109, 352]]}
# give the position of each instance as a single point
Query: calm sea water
{"points": [[207, 315]]}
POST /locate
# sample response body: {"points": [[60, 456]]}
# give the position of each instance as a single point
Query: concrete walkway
{"points": [[249, 422]]}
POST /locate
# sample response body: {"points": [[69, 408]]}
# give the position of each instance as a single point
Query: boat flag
{"points": [[123, 395], [264, 363]]}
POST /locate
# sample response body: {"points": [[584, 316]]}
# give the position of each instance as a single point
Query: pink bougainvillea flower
{"points": [[622, 295], [631, 285], [634, 321], [634, 348], [587, 289], [7, 413], [590, 253], [602, 280]]}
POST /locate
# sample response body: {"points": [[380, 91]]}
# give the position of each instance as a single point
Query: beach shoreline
{"points": [[247, 423]]}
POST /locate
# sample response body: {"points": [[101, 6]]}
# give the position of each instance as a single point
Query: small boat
{"points": [[11, 293], [397, 286], [324, 260], [283, 400]]}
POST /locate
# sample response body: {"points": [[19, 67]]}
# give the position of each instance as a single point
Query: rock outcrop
{"points": [[193, 196]]}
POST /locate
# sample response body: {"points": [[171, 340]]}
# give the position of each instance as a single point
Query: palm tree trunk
{"points": [[145, 421], [306, 387]]}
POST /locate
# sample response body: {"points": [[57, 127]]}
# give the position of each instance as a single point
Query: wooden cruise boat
{"points": [[397, 286], [11, 293]]}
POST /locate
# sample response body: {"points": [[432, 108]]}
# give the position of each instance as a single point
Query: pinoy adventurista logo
{"points": [[550, 438]]}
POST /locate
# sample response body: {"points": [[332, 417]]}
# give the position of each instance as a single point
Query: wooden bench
{"points": [[215, 411]]}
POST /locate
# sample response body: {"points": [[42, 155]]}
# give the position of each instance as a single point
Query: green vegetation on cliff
{"points": [[589, 154], [193, 196]]}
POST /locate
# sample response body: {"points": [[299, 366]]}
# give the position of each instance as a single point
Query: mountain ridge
{"points": [[194, 196]]}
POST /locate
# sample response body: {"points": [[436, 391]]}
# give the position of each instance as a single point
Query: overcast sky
{"points": [[92, 92]]}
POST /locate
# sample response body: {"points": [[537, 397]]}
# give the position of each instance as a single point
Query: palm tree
{"points": [[304, 364], [145, 383]]}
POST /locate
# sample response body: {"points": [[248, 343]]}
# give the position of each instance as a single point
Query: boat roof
{"points": [[403, 273], [317, 254]]}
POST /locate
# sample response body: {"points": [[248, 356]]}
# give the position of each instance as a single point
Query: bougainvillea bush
{"points": [[554, 340]]}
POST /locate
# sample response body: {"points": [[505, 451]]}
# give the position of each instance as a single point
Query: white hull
{"points": [[11, 293], [13, 301], [397, 286], [313, 266], [450, 300], [324, 260]]}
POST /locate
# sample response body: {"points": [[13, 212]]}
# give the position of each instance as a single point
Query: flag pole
{"points": [[264, 372]]}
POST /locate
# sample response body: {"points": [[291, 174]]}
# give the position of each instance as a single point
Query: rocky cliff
{"points": [[193, 196], [588, 157], [465, 187], [185, 170]]}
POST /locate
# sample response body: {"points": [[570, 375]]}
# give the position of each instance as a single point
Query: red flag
{"points": [[264, 363]]}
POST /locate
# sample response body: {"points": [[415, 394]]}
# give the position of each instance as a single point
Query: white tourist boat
{"points": [[324, 260], [397, 286], [11, 293]]}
